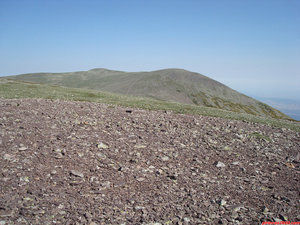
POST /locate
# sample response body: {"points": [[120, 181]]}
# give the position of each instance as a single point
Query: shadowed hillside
{"points": [[168, 85]]}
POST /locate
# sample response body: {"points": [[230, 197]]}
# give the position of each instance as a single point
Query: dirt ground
{"points": [[88, 163]]}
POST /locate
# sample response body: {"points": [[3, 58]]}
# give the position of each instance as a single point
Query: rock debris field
{"points": [[65, 162]]}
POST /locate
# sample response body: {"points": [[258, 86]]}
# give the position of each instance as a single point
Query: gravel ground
{"points": [[88, 163]]}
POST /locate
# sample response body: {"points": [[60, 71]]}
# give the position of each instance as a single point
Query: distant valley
{"points": [[288, 106]]}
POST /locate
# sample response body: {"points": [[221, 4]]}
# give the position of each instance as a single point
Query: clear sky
{"points": [[253, 46]]}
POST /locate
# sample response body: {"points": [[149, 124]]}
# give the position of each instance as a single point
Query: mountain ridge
{"points": [[172, 84]]}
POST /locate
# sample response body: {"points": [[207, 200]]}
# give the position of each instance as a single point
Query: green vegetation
{"points": [[260, 136], [174, 85], [12, 89]]}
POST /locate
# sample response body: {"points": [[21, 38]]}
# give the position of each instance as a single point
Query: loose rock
{"points": [[161, 168], [76, 173], [102, 145], [220, 165]]}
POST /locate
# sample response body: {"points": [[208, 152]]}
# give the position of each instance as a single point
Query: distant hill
{"points": [[176, 85]]}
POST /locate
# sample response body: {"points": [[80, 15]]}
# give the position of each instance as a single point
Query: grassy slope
{"points": [[12, 89], [169, 85]]}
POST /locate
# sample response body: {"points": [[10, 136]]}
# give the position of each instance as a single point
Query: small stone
{"points": [[165, 158], [212, 216], [53, 172], [23, 148], [186, 219], [239, 218], [212, 141], [92, 223], [234, 215], [140, 179], [8, 157], [80, 154], [41, 211], [102, 145], [92, 178], [220, 164], [101, 155], [237, 208], [277, 220], [59, 155], [265, 210], [172, 177], [235, 163], [276, 196], [221, 221], [297, 158], [76, 173], [222, 202], [106, 184], [282, 217], [62, 212], [227, 148], [24, 179], [132, 161], [140, 146], [159, 171], [285, 199]]}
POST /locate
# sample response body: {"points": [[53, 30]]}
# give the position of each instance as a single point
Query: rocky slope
{"points": [[176, 85], [88, 163]]}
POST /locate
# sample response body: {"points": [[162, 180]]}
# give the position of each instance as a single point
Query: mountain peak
{"points": [[99, 69]]}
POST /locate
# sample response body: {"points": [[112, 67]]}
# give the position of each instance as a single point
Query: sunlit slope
{"points": [[12, 89], [169, 85]]}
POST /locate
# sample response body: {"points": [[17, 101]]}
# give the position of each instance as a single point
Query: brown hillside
{"points": [[90, 163]]}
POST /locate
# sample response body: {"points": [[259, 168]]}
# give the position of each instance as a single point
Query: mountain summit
{"points": [[176, 85]]}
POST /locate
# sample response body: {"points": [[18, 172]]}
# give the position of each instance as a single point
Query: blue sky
{"points": [[253, 46]]}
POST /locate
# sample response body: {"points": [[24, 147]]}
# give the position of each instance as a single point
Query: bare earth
{"points": [[88, 163]]}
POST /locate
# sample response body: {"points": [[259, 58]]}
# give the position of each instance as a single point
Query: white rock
{"points": [[220, 165], [76, 173], [222, 202], [102, 145], [23, 148], [186, 219], [8, 157], [165, 158]]}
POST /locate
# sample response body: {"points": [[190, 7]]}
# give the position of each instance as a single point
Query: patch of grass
{"points": [[12, 89], [260, 136]]}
